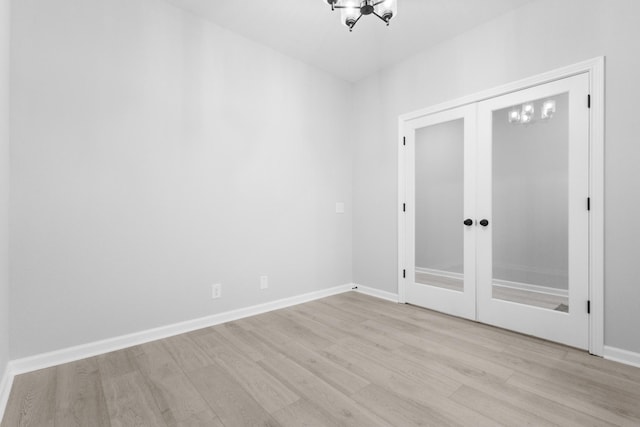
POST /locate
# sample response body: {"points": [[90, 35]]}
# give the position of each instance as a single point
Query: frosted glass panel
{"points": [[530, 203], [439, 186]]}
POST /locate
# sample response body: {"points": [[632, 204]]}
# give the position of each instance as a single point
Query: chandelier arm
{"points": [[354, 24], [378, 2], [381, 18]]}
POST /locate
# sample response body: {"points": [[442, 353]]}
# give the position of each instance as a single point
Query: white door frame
{"points": [[595, 69]]}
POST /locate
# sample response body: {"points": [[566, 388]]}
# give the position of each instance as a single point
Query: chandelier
{"points": [[352, 10]]}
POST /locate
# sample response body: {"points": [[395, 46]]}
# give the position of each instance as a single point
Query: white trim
{"points": [[83, 351], [622, 356], [596, 69], [389, 296], [402, 197], [596, 218], [443, 273], [531, 288], [5, 388]]}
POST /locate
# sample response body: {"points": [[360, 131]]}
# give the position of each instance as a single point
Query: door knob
{"points": [[468, 222], [484, 222]]}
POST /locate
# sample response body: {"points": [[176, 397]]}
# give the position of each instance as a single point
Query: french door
{"points": [[440, 191], [497, 220]]}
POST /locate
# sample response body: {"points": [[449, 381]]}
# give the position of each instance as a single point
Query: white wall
{"points": [[541, 36], [4, 185], [155, 154]]}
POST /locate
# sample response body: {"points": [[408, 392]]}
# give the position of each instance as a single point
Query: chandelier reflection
{"points": [[526, 113]]}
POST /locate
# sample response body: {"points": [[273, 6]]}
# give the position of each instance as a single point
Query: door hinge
{"points": [[588, 203], [404, 274], [589, 307], [588, 101], [404, 140], [404, 207]]}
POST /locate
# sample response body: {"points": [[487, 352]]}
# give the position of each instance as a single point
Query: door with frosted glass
{"points": [[440, 225], [533, 185]]}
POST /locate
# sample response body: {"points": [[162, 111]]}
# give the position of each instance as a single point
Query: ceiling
{"points": [[309, 31]]}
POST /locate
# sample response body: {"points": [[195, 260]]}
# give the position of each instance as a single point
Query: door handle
{"points": [[484, 222], [468, 222]]}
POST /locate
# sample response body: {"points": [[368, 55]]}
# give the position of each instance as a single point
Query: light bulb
{"points": [[548, 109], [387, 10], [528, 111], [349, 14], [514, 116]]}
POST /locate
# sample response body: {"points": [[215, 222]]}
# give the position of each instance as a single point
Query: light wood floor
{"points": [[346, 360]]}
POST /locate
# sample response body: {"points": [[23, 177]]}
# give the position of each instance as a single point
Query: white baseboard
{"points": [[5, 388], [443, 273], [531, 288], [502, 283], [71, 354], [623, 356], [376, 293]]}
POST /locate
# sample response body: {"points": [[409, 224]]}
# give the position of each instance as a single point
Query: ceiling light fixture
{"points": [[352, 10]]}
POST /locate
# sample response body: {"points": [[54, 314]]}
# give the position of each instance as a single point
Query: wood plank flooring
{"points": [[346, 360]]}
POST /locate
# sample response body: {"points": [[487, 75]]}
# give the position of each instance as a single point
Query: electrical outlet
{"points": [[216, 291], [264, 282]]}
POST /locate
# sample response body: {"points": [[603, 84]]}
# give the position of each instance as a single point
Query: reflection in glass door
{"points": [[530, 203], [440, 186], [439, 205], [533, 185]]}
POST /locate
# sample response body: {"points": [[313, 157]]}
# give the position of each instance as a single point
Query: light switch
{"points": [[339, 207]]}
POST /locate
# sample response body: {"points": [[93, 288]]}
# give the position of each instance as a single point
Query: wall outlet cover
{"points": [[216, 291]]}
